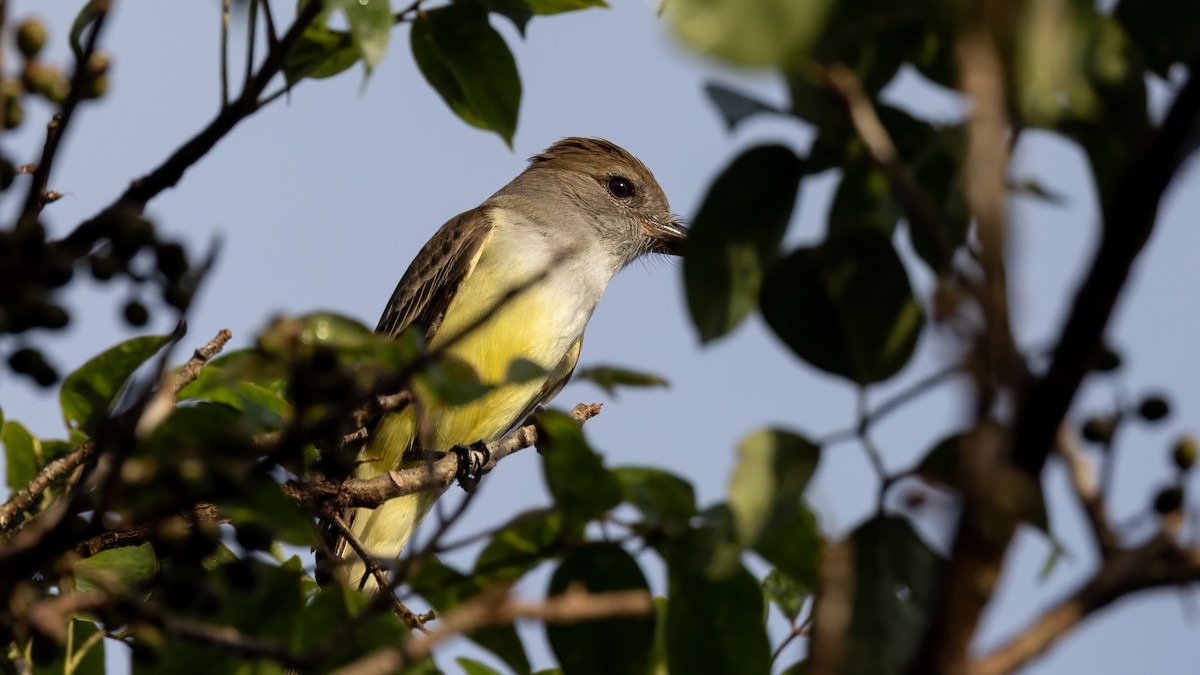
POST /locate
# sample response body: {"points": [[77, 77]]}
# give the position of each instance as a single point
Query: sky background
{"points": [[322, 199]]}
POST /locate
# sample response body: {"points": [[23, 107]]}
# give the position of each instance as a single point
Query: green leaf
{"points": [[266, 504], [90, 662], [22, 454], [522, 544], [521, 370], [370, 25], [735, 106], [736, 235], [319, 53], [786, 594], [609, 378], [940, 464], [473, 667], [575, 475], [546, 7], [863, 200], [88, 393], [446, 588], [121, 567], [469, 65], [845, 306], [451, 382], [773, 469], [716, 626], [601, 647], [1164, 30], [666, 501], [793, 544], [760, 33], [896, 579]]}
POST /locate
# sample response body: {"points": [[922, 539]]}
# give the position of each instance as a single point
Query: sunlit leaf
{"points": [[116, 567], [756, 33], [89, 393], [785, 593], [22, 454], [370, 24]]}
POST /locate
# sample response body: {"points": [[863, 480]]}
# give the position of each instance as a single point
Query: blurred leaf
{"points": [[321, 52], [89, 663], [522, 544], [601, 647], [716, 626], [757, 33], [473, 667], [451, 382], [863, 200], [522, 370], [772, 471], [609, 378], [336, 605], [469, 65], [446, 588], [574, 473], [1035, 189], [546, 7], [1164, 30], [798, 668], [121, 567], [88, 393], [896, 579], [786, 594], [940, 464], [370, 24], [87, 14], [708, 547], [658, 656], [736, 235], [22, 454], [873, 38], [736, 106], [793, 544], [666, 501], [845, 306], [266, 504]]}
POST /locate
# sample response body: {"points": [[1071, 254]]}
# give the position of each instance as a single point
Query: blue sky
{"points": [[322, 199]]}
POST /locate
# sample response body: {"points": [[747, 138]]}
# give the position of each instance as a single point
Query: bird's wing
{"points": [[427, 288]]}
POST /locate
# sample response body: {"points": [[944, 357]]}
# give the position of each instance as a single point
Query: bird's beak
{"points": [[667, 236]]}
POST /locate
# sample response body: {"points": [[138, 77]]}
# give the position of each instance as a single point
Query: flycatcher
{"points": [[516, 278]]}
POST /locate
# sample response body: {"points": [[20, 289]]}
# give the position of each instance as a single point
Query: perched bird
{"points": [[518, 277]]}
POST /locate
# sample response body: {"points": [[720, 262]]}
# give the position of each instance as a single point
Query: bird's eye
{"points": [[621, 188]]}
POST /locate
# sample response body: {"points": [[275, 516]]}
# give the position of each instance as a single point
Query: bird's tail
{"points": [[383, 532]]}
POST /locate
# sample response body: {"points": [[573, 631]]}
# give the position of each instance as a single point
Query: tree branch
{"points": [[163, 401], [53, 471], [438, 475], [495, 608], [1155, 564]]}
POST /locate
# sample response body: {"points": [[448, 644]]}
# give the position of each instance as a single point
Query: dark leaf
{"points": [[469, 65], [616, 645], [609, 378], [1164, 30], [574, 473], [863, 200], [716, 626], [265, 503], [845, 306], [89, 393], [546, 7], [736, 106], [896, 579], [521, 545], [666, 501], [736, 236]]}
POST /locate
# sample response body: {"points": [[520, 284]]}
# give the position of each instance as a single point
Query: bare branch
{"points": [[1084, 482], [1157, 563], [53, 471], [163, 401], [496, 609]]}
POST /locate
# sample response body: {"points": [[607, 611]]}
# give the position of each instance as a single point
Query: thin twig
{"points": [[35, 199], [163, 401], [225, 53], [50, 473], [438, 475], [251, 41], [1084, 481], [897, 401]]}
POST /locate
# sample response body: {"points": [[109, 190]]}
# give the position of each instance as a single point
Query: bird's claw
{"points": [[472, 460]]}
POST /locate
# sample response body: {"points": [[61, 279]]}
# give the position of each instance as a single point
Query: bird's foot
{"points": [[472, 460]]}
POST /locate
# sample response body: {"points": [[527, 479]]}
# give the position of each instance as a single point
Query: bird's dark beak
{"points": [[667, 236]]}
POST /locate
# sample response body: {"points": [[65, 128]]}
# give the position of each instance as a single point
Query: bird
{"points": [[516, 278]]}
